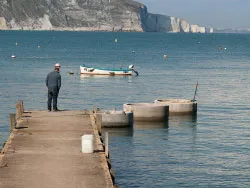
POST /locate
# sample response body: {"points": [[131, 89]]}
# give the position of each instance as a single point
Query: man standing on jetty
{"points": [[53, 83]]}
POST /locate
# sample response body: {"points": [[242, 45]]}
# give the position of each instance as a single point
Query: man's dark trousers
{"points": [[52, 95]]}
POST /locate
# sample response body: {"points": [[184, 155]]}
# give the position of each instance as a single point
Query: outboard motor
{"points": [[132, 67]]}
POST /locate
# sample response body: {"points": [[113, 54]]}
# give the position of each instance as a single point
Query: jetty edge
{"points": [[44, 150]]}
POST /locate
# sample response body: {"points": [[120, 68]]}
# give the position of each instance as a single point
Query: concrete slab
{"points": [[45, 152]]}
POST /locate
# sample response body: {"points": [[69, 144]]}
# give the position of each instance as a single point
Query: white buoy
{"points": [[13, 56], [87, 143]]}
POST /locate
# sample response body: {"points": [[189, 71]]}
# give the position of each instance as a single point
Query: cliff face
{"points": [[157, 23], [107, 15], [85, 15], [161, 23]]}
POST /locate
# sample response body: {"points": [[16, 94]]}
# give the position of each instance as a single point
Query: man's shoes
{"points": [[49, 109], [56, 110]]}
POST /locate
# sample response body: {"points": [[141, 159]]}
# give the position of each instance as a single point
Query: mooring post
{"points": [[22, 108], [99, 122], [19, 109], [107, 144], [12, 121], [18, 112], [95, 109]]}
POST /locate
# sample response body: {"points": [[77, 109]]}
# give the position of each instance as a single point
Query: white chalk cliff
{"points": [[88, 15]]}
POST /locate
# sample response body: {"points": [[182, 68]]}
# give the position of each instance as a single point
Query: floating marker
{"points": [[38, 46], [165, 56], [13, 56], [16, 43], [116, 40]]}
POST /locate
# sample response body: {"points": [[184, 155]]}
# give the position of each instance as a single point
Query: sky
{"points": [[210, 13]]}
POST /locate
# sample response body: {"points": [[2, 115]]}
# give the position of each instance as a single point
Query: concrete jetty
{"points": [[148, 112], [44, 151], [179, 106], [116, 118]]}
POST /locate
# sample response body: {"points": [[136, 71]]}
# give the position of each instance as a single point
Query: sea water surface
{"points": [[210, 150]]}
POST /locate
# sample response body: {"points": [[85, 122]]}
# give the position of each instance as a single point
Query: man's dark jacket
{"points": [[53, 80]]}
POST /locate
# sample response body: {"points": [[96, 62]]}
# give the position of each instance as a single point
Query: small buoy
{"points": [[225, 48], [13, 56], [71, 72], [116, 40], [16, 43], [165, 56], [133, 51], [38, 46]]}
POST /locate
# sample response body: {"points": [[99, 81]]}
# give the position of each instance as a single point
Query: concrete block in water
{"points": [[147, 111], [179, 106], [115, 118]]}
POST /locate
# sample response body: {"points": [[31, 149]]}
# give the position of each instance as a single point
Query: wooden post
{"points": [[22, 108], [99, 122], [18, 114], [107, 144], [12, 121], [95, 109], [19, 109], [20, 102]]}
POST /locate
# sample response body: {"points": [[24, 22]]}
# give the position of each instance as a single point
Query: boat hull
{"points": [[110, 72]]}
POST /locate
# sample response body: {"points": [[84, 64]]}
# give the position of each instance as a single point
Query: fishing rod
{"points": [[196, 87]]}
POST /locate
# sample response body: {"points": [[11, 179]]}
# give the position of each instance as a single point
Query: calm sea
{"points": [[211, 150]]}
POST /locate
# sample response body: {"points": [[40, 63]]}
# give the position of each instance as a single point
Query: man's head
{"points": [[57, 67]]}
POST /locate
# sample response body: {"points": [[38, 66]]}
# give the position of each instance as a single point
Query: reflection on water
{"points": [[183, 120], [163, 143], [84, 76], [123, 131], [150, 125]]}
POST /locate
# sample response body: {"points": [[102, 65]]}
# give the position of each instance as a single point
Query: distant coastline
{"points": [[117, 16], [108, 16], [231, 30]]}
